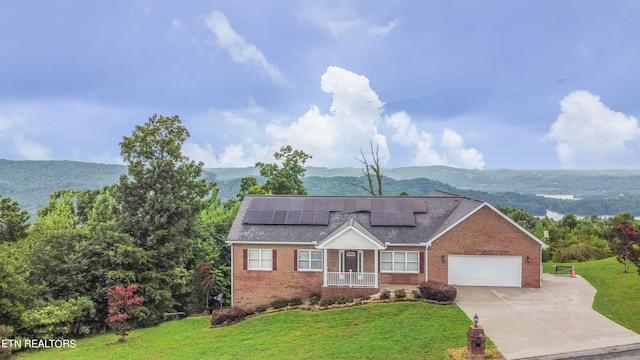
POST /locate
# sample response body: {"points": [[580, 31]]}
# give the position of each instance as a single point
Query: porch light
{"points": [[475, 320], [443, 259], [528, 259]]}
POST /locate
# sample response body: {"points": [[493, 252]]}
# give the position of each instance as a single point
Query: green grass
{"points": [[618, 293], [402, 330]]}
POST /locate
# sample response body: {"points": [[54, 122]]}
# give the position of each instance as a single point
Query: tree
{"points": [[122, 304], [159, 199], [372, 171], [288, 178], [627, 248], [13, 220]]}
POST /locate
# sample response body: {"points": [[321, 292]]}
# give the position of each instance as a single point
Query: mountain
{"points": [[601, 192]]}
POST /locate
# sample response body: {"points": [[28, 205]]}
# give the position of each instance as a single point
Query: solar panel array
{"points": [[315, 210]]}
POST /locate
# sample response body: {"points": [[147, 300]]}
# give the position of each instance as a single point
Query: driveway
{"points": [[555, 319]]}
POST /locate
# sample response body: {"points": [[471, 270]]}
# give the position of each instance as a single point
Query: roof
{"points": [[396, 220]]}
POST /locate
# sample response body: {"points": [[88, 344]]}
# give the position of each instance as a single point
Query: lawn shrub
{"points": [[296, 301], [315, 297], [580, 252], [364, 297], [227, 315], [385, 294], [416, 294], [261, 308], [59, 318], [344, 299], [437, 291], [327, 302], [279, 303], [400, 293]]}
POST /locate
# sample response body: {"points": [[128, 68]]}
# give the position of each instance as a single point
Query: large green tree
{"points": [[13, 220], [287, 178], [160, 198]]}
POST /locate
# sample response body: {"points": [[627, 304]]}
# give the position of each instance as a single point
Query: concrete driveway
{"points": [[555, 319]]}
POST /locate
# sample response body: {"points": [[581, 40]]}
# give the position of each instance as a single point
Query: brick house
{"points": [[288, 246]]}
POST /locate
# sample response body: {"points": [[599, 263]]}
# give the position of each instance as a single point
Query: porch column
{"points": [[326, 267], [375, 266]]}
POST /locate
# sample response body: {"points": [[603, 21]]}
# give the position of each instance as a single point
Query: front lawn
{"points": [[618, 296], [402, 330]]}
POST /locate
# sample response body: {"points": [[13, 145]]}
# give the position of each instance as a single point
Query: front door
{"points": [[350, 261]]}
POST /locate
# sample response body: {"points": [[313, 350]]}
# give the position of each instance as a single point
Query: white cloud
{"points": [[451, 151], [342, 21], [383, 30], [453, 145], [590, 135], [29, 149], [334, 139], [233, 155], [240, 50], [177, 25]]}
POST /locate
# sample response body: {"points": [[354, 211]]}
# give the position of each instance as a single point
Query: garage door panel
{"points": [[485, 270]]}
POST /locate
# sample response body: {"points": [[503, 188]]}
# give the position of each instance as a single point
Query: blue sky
{"points": [[473, 84]]}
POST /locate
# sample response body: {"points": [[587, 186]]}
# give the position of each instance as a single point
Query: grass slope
{"points": [[618, 293], [403, 330]]}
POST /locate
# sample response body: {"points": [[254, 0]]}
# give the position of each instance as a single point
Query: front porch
{"points": [[351, 279]]}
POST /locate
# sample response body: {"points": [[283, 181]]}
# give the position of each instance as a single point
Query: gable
{"points": [[513, 226], [351, 235]]}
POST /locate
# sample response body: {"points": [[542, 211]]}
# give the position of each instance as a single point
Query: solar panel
{"points": [[279, 210]]}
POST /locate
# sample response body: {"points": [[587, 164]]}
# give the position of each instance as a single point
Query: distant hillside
{"points": [[598, 192]]}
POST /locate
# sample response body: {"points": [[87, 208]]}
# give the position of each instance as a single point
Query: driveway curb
{"points": [[614, 352]]}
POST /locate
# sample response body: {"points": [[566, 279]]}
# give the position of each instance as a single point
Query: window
{"points": [[310, 260], [260, 259], [400, 261]]}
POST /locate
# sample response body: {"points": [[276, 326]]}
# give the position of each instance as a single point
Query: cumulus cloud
{"points": [[240, 50], [334, 138], [591, 135], [30, 150], [233, 155], [451, 150]]}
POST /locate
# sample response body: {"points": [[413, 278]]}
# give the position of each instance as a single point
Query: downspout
{"points": [[232, 274]]}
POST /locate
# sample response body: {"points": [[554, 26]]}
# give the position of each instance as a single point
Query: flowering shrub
{"points": [[627, 246], [122, 303]]}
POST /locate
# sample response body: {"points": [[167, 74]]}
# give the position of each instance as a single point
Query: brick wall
{"points": [[256, 287], [485, 233]]}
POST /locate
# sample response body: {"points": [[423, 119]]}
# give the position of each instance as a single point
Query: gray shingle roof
{"points": [[442, 211]]}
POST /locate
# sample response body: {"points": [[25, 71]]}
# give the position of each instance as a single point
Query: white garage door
{"points": [[485, 270]]}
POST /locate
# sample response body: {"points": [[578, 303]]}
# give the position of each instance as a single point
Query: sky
{"points": [[541, 84]]}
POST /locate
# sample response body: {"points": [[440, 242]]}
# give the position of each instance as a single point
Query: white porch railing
{"points": [[351, 279]]}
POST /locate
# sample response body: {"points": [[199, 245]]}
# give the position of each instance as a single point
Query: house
{"points": [[289, 246]]}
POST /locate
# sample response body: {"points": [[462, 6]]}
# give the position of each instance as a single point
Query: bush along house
{"points": [[293, 246]]}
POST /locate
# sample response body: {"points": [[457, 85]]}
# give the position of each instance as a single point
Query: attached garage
{"points": [[485, 270]]}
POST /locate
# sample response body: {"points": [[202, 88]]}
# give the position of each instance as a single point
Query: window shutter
{"points": [[275, 260], [421, 262], [295, 260], [245, 260]]}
